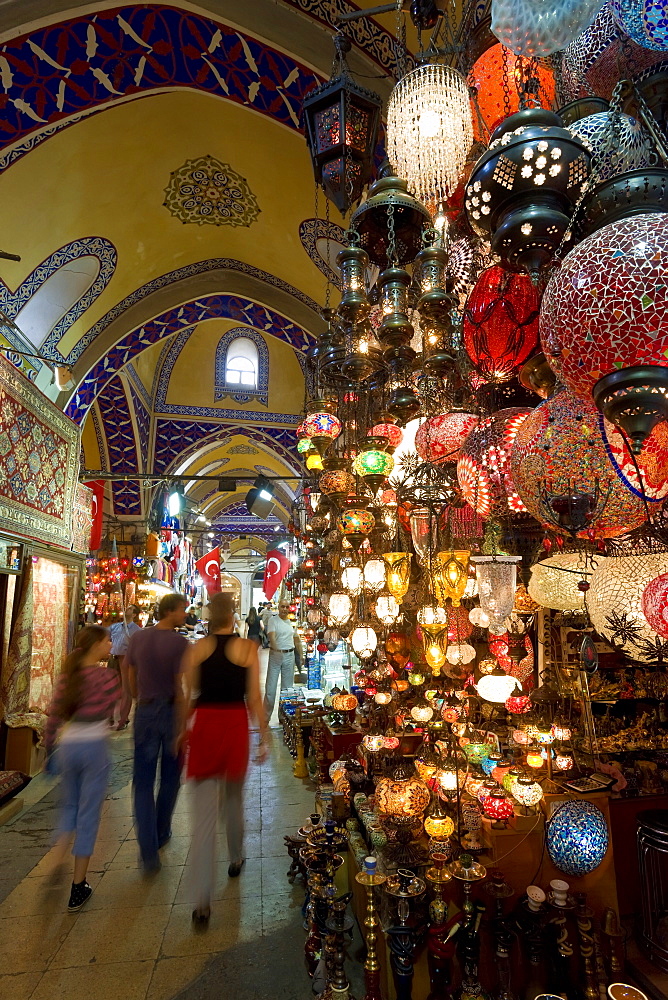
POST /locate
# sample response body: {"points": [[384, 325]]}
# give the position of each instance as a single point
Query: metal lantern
{"points": [[340, 609], [371, 221], [433, 622], [398, 573], [387, 609], [577, 837], [341, 121], [501, 323], [523, 190]]}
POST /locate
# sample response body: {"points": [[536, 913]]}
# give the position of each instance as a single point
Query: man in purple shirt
{"points": [[156, 659]]}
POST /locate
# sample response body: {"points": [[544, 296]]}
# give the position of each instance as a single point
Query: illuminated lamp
{"points": [[577, 837], [314, 462], [387, 609], [340, 609], [433, 622], [374, 466], [451, 713], [437, 824], [521, 737], [616, 593], [527, 792], [374, 575], [490, 72], [497, 687], [370, 690], [424, 532], [518, 704], [459, 654], [477, 750], [459, 625], [561, 730], [449, 576], [499, 807], [489, 762], [403, 795], [535, 757], [351, 580], [563, 762], [337, 483], [363, 642], [450, 776], [422, 711], [483, 469], [399, 685], [555, 581], [439, 438], [304, 446], [545, 736], [501, 770], [321, 427], [478, 617], [355, 522], [654, 603], [344, 702], [510, 778], [398, 573], [392, 432], [383, 697], [416, 678], [486, 789], [500, 327], [642, 20], [531, 31], [497, 580]]}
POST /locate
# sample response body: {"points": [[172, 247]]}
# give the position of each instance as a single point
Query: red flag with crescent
{"points": [[274, 571], [97, 509], [208, 568]]}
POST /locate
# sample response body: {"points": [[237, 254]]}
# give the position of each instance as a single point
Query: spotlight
{"points": [[259, 499], [174, 504]]}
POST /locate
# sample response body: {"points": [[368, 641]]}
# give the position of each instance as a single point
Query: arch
{"points": [[178, 443], [55, 297], [254, 350]]}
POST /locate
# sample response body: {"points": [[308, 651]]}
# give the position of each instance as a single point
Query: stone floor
{"points": [[134, 938]]}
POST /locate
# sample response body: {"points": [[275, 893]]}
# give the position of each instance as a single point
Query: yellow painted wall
{"points": [[89, 444]]}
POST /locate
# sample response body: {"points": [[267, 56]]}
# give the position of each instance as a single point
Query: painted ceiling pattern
{"points": [[176, 439], [121, 446], [204, 190]]}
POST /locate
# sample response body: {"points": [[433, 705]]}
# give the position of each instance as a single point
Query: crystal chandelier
{"points": [[430, 130]]}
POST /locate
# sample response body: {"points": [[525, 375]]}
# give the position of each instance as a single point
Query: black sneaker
{"points": [[80, 893], [235, 869]]}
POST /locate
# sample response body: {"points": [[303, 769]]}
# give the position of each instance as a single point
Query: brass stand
{"points": [[440, 937], [299, 768], [370, 878]]}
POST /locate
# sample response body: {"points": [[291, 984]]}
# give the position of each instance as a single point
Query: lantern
{"points": [[391, 432], [304, 446], [430, 130], [387, 609], [618, 143], [615, 598], [439, 438], [577, 837], [355, 522], [337, 483], [563, 762], [363, 642], [433, 622], [555, 581], [450, 776], [561, 730], [501, 770], [518, 704], [600, 311], [437, 824], [374, 575], [501, 323], [527, 792], [497, 578], [644, 21], [374, 466], [322, 428], [341, 129], [449, 576], [402, 796], [489, 762], [314, 462], [398, 573], [382, 697], [654, 603], [460, 653], [344, 702], [483, 469], [351, 580], [422, 711], [510, 778], [497, 687], [476, 750], [539, 31], [424, 529], [535, 757], [340, 609], [498, 806]]}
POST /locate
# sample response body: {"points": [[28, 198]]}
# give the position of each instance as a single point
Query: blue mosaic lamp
{"points": [[645, 21], [577, 838]]}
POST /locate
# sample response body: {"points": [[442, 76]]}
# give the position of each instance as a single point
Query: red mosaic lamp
{"points": [[499, 807], [655, 604], [483, 469], [500, 326], [439, 438]]}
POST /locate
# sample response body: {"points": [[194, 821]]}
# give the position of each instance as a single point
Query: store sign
{"points": [[208, 568]]}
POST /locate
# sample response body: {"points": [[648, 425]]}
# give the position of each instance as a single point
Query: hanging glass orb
{"points": [[439, 438], [422, 711], [577, 837], [430, 130], [374, 575], [478, 617], [614, 600], [501, 770], [510, 778], [645, 21], [372, 463], [655, 604], [383, 697], [496, 66], [538, 30], [617, 151], [398, 573], [601, 311], [561, 730], [304, 446], [483, 469], [363, 641], [518, 704], [497, 687], [500, 326], [339, 610], [387, 609], [337, 483], [459, 654], [555, 581], [392, 432], [489, 762], [459, 626], [351, 580], [497, 579]]}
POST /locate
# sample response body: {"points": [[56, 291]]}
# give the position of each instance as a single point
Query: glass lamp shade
{"points": [[450, 776], [644, 21], [387, 609], [630, 148], [424, 532], [477, 750], [422, 711], [600, 311], [566, 446], [554, 581], [374, 575], [439, 827], [521, 737], [654, 604], [498, 806], [402, 797], [382, 697], [449, 576], [483, 469], [497, 579], [351, 580], [433, 622], [527, 792], [392, 432], [536, 31], [518, 704], [340, 609], [478, 617], [535, 757], [510, 778], [398, 573], [439, 438], [561, 730], [497, 687], [459, 654], [614, 599], [415, 678], [501, 770], [577, 838], [322, 427], [314, 462], [489, 762], [545, 736], [337, 483], [304, 446], [355, 521], [489, 71], [430, 130], [500, 328], [563, 762], [363, 641], [344, 702], [373, 462]]}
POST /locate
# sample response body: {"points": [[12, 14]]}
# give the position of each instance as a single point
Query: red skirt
{"points": [[218, 743]]}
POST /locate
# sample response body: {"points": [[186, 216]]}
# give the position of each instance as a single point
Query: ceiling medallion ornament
{"points": [[204, 190]]}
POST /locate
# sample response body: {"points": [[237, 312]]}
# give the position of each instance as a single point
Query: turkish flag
{"points": [[274, 571], [208, 568], [97, 509]]}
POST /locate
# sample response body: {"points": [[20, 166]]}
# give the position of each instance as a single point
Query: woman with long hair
{"points": [[223, 674], [84, 699], [254, 627]]}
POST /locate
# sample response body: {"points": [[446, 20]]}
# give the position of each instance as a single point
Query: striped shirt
{"points": [[100, 691]]}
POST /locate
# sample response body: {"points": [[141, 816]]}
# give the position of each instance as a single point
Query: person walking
{"points": [[224, 669], [284, 641], [120, 637], [77, 731], [156, 661], [266, 615], [254, 627]]}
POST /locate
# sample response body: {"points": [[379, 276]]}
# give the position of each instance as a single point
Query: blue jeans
{"points": [[280, 665], [84, 770], [154, 737]]}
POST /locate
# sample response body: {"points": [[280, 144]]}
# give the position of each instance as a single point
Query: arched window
{"points": [[242, 363]]}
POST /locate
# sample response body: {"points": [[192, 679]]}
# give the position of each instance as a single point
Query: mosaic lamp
{"points": [[449, 576], [460, 653], [645, 21], [500, 327], [373, 465], [322, 427], [577, 838], [392, 432], [439, 438], [430, 130], [314, 461], [497, 581], [398, 573], [351, 580], [617, 144], [527, 791], [342, 121], [555, 581], [615, 600], [499, 807], [422, 711], [336, 483], [498, 66], [403, 795], [654, 604], [355, 522], [437, 824], [531, 29], [483, 469], [304, 445]]}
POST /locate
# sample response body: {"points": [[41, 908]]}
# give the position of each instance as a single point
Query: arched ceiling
{"points": [[153, 171]]}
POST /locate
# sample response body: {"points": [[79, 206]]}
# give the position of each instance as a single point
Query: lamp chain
{"points": [[505, 81], [392, 256]]}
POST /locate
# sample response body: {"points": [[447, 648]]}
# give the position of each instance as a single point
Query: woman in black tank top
{"points": [[223, 679]]}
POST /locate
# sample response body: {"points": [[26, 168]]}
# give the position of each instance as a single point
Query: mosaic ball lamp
{"points": [[402, 797], [322, 428], [645, 21], [483, 469], [488, 73], [577, 838], [439, 827], [604, 309], [392, 432], [532, 29], [373, 465], [500, 326], [337, 483], [498, 806], [614, 600], [518, 704], [655, 604], [355, 521], [497, 687], [614, 152], [554, 581], [304, 445], [566, 446], [439, 438], [527, 792]]}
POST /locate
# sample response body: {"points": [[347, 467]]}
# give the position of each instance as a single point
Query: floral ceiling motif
{"points": [[204, 190]]}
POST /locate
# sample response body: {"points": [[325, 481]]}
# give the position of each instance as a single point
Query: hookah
{"points": [[370, 878], [468, 872], [583, 916], [321, 864], [440, 943], [339, 923], [404, 937], [561, 903], [498, 889]]}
